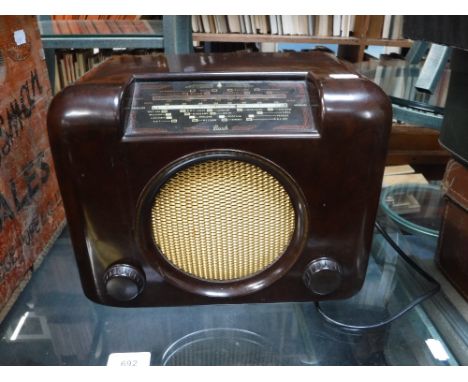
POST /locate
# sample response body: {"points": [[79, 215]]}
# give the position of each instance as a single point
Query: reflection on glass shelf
{"points": [[222, 347], [398, 79], [100, 28]]}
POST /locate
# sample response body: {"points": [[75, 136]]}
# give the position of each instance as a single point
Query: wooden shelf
{"points": [[402, 43], [413, 144], [237, 37]]}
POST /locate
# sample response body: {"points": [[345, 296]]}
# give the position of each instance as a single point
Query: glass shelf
{"points": [[416, 233], [416, 208], [53, 323]]}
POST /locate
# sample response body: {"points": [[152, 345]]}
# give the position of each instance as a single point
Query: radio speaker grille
{"points": [[222, 220]]}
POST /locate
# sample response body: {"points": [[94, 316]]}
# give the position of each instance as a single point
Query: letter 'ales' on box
{"points": [[229, 178]]}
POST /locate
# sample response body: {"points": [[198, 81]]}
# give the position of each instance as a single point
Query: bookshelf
{"points": [[75, 34], [351, 47], [171, 34]]}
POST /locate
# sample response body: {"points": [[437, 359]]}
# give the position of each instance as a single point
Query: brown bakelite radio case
{"points": [[229, 178]]}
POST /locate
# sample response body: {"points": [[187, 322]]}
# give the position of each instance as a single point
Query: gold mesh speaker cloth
{"points": [[222, 220]]}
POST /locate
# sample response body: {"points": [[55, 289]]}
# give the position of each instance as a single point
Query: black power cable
{"points": [[413, 303]]}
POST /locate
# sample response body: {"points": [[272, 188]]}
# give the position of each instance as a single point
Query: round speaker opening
{"points": [[222, 223], [222, 220]]}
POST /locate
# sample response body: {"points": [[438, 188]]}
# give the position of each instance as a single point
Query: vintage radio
{"points": [[200, 179]]}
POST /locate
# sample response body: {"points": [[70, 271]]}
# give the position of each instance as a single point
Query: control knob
{"points": [[322, 276], [124, 282]]}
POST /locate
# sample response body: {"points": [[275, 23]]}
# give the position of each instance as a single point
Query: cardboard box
{"points": [[31, 213]]}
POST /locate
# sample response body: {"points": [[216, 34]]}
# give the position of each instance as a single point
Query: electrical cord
{"points": [[410, 306]]}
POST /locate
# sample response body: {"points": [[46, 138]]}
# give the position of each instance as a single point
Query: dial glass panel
{"points": [[220, 107]]}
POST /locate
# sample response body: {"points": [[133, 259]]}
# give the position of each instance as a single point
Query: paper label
{"points": [[20, 37], [129, 359]]}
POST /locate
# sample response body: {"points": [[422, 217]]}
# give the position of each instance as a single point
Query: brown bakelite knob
{"points": [[124, 282], [322, 276]]}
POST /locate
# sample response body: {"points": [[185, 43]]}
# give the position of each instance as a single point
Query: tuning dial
{"points": [[322, 276], [124, 282]]}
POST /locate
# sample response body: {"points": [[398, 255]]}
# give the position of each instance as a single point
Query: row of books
{"points": [[70, 65], [102, 27], [95, 17], [389, 27]]}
